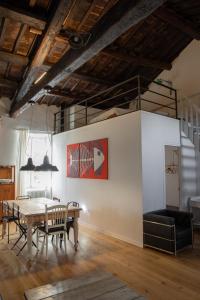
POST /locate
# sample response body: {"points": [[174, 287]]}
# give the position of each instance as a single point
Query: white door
{"points": [[172, 176]]}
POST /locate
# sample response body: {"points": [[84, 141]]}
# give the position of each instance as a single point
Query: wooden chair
{"points": [[56, 199], [57, 215], [7, 218], [22, 229], [70, 220]]}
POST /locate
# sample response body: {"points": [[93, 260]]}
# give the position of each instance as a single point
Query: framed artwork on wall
{"points": [[73, 165], [88, 159], [94, 159]]}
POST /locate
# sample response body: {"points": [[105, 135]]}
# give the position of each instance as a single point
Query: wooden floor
{"points": [[150, 273]]}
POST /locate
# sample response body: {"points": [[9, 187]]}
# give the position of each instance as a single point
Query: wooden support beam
{"points": [[113, 24], [53, 28], [23, 17], [13, 58], [138, 60], [172, 18], [11, 84]]}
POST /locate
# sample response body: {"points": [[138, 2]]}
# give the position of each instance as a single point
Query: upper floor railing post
{"points": [[139, 92], [86, 112]]}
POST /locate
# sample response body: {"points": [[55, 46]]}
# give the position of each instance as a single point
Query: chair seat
{"points": [[51, 230]]}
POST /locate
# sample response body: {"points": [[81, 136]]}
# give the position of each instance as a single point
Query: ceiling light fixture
{"points": [[40, 77]]}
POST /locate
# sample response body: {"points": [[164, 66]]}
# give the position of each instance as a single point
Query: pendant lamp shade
{"points": [[46, 166], [29, 166]]}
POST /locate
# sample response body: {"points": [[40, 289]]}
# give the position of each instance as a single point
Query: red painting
{"points": [[94, 159], [73, 165]]}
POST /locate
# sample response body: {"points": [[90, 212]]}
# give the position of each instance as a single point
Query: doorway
{"points": [[172, 176]]}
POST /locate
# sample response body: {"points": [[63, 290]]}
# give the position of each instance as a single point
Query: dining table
{"points": [[32, 211]]}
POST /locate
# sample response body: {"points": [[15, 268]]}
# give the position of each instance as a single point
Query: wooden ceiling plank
{"points": [[113, 24], [21, 32], [137, 60], [11, 84], [32, 3], [82, 76], [4, 24], [171, 17], [22, 17], [53, 28], [13, 58]]}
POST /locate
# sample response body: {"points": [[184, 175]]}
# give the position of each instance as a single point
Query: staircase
{"points": [[190, 150]]}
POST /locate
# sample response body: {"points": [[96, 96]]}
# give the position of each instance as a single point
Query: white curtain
{"points": [[22, 160]]}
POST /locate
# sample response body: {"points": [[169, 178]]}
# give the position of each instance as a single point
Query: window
{"points": [[38, 146]]}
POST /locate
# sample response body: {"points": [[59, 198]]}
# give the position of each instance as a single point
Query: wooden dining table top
{"points": [[36, 206]]}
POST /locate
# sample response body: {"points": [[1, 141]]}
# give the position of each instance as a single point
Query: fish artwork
{"points": [[93, 159], [88, 160], [73, 165]]}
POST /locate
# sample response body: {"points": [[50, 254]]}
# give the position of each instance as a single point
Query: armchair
{"points": [[167, 230]]}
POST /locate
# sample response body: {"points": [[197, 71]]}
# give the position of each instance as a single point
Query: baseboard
{"points": [[114, 235]]}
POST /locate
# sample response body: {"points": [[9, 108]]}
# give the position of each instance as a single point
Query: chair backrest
{"points": [[16, 210], [6, 208], [23, 197], [73, 203], [58, 216], [56, 199]]}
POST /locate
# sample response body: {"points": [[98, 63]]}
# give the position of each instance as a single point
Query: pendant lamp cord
{"points": [[28, 139], [47, 127]]}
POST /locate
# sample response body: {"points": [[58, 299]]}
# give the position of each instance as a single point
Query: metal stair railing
{"points": [[190, 121]]}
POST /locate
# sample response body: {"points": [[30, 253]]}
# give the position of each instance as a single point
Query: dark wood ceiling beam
{"points": [[13, 58], [113, 24], [11, 84], [23, 17], [40, 55], [172, 18], [138, 60]]}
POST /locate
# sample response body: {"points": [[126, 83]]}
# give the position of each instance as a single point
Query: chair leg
{"points": [[68, 233], [46, 246], [8, 232], [56, 241], [21, 235], [65, 242], [37, 239]]}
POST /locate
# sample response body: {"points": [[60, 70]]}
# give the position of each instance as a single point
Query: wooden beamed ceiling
{"points": [[112, 25], [121, 39]]}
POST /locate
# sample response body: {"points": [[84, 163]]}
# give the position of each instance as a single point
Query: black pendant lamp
{"points": [[46, 166], [29, 166]]}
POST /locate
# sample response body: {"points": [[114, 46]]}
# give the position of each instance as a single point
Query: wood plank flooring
{"points": [[150, 273]]}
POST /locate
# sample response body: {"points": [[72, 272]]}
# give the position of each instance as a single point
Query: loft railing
{"points": [[136, 93]]}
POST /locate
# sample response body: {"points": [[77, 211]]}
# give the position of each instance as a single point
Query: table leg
{"points": [[3, 229], [75, 225], [29, 238]]}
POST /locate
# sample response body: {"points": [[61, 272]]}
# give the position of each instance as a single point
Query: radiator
{"points": [[36, 193]]}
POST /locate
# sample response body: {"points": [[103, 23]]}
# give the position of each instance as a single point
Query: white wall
{"points": [[8, 146], [185, 72], [38, 118], [157, 131], [114, 205]]}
